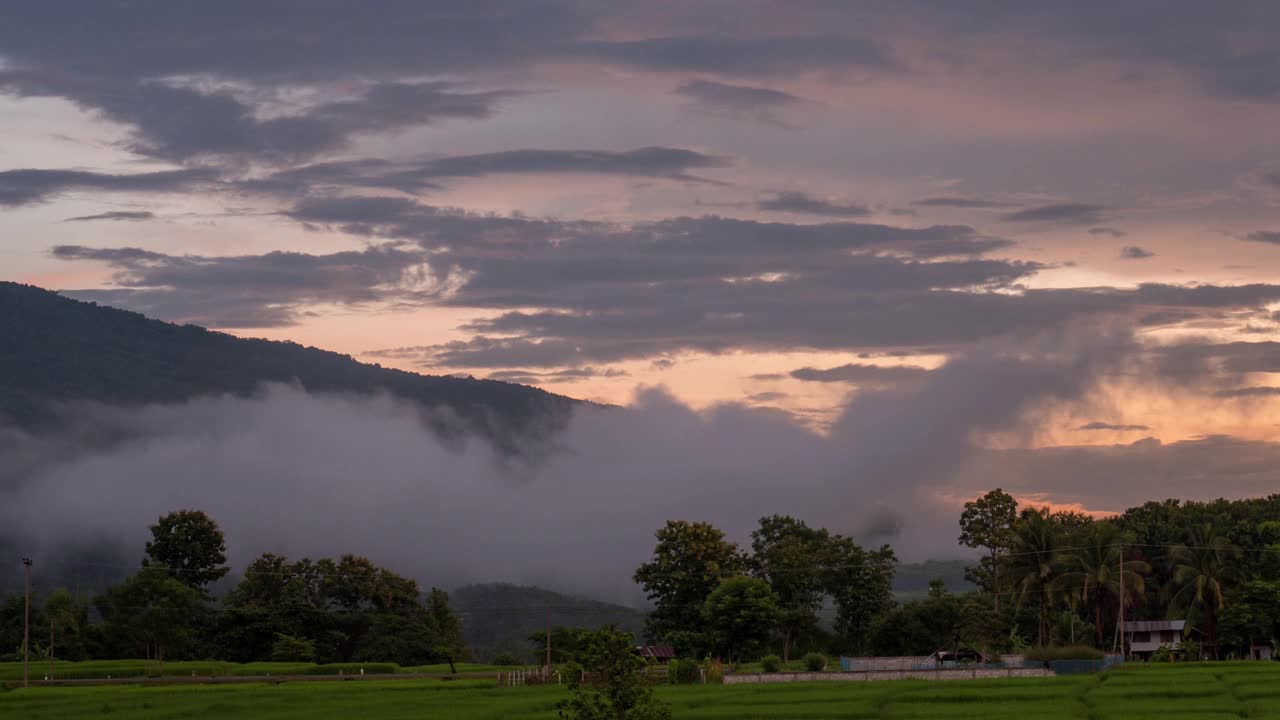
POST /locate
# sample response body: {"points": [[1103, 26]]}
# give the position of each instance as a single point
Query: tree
{"points": [[615, 688], [860, 582], [288, 648], [988, 522], [66, 623], [1034, 563], [1202, 572], [151, 613], [1093, 571], [190, 544], [740, 614], [788, 554], [689, 561], [447, 627]]}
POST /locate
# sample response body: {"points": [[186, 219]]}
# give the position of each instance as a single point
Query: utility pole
{"points": [[26, 626], [1123, 653], [548, 639]]}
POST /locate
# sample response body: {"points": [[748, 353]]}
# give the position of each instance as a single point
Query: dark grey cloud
{"points": [[805, 204], [252, 290], [1248, 392], [418, 176], [26, 186], [1133, 252], [961, 202], [736, 97], [529, 377], [1264, 236], [1108, 231], [117, 215], [1270, 178], [1100, 425], [861, 373], [1083, 213], [182, 123]]}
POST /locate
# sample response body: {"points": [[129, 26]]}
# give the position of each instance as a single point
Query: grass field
{"points": [[11, 671], [1180, 692]]}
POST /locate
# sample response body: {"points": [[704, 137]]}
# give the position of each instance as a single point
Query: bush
{"points": [[1071, 652], [288, 648], [371, 668], [714, 670], [683, 672], [771, 663], [815, 662], [506, 660]]}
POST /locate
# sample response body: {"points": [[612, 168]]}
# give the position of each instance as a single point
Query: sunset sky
{"points": [[780, 204]]}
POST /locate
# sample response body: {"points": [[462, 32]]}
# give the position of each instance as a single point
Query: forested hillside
{"points": [[55, 350]]}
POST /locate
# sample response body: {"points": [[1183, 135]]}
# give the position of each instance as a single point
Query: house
{"points": [[661, 654], [1144, 637], [1260, 652]]}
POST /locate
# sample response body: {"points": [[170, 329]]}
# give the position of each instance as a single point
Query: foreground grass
{"points": [[10, 671], [1180, 692]]}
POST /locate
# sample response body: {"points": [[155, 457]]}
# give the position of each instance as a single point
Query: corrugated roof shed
{"points": [[1154, 625], [656, 651]]}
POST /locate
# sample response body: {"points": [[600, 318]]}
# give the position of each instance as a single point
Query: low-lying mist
{"points": [[302, 474]]}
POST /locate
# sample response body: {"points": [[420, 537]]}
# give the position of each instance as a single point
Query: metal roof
{"points": [[656, 651], [1154, 625]]}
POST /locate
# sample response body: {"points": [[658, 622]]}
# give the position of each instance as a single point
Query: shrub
{"points": [[815, 662], [506, 659], [1190, 650], [714, 670], [771, 663], [288, 648], [371, 668], [683, 672], [1070, 652]]}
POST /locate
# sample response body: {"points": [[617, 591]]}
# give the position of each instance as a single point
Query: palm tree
{"points": [[1093, 572], [1202, 569], [1034, 562]]}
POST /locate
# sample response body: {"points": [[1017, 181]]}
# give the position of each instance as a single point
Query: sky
{"points": [[802, 208]]}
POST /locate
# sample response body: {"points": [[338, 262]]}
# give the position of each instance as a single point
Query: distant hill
{"points": [[499, 617], [911, 581], [55, 350]]}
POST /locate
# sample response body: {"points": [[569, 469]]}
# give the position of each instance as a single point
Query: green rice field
{"points": [[93, 669], [1177, 691]]}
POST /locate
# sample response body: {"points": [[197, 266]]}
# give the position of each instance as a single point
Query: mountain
{"points": [[911, 580], [497, 618], [55, 350]]}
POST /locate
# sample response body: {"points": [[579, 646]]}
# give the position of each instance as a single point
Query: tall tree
{"points": [[190, 545], [689, 561], [789, 555], [740, 615], [151, 613], [1093, 571], [1034, 563], [448, 628], [1202, 571], [860, 582], [987, 522]]}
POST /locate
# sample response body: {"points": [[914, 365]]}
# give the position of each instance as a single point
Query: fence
{"points": [[923, 663]]}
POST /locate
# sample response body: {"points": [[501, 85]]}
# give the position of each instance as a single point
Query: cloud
{"points": [[251, 290], [183, 123], [244, 460], [118, 215], [960, 202], [737, 97], [1108, 231], [805, 204], [529, 377], [1271, 178], [744, 56], [1246, 392], [1264, 236], [769, 396], [1133, 252], [1099, 425], [861, 373], [28, 186], [1083, 213]]}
